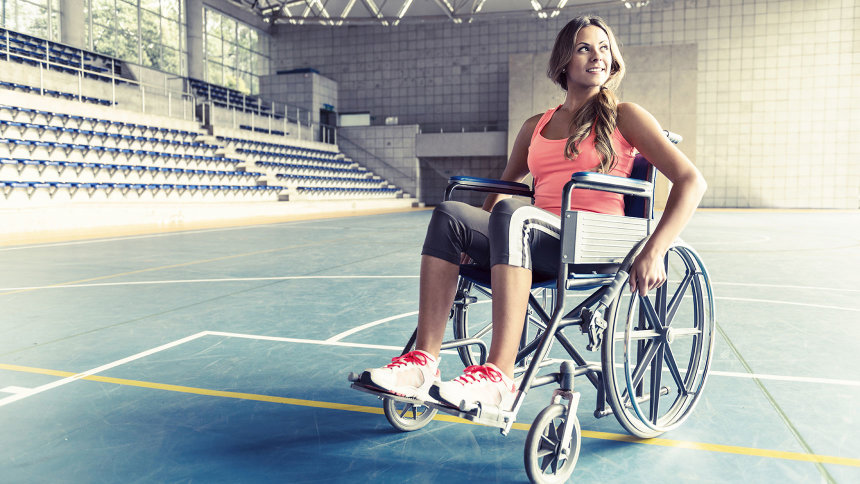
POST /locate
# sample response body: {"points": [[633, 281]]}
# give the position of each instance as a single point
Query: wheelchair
{"points": [[655, 350]]}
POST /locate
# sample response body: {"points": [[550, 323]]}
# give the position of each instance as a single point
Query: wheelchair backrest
{"points": [[637, 206]]}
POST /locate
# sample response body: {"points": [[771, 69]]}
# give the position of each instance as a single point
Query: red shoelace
{"points": [[412, 357], [477, 373]]}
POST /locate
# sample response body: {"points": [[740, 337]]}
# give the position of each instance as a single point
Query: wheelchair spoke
{"points": [[650, 313], [547, 461], [677, 297], [656, 379], [642, 365], [406, 408], [669, 357], [546, 447], [638, 334], [686, 332]]}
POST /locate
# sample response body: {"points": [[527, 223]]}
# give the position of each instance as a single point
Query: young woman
{"points": [[590, 131]]}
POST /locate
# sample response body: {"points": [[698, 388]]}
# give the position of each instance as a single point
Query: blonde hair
{"points": [[600, 112]]}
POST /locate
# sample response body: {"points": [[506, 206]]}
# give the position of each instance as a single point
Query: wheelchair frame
{"points": [[553, 443]]}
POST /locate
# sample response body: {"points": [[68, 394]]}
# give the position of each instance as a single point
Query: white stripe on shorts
{"points": [[523, 221]]}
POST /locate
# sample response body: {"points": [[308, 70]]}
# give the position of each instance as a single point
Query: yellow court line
{"points": [[681, 444]]}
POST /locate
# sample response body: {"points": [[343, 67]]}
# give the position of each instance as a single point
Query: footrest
{"points": [[491, 417], [382, 395], [358, 385]]}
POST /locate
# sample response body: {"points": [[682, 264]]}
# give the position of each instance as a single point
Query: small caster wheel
{"points": [[546, 461], [407, 417]]}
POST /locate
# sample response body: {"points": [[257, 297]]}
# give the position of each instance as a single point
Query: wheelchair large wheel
{"points": [[546, 461], [658, 348], [405, 416], [472, 318]]}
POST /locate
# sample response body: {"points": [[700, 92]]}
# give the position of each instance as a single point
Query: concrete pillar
{"points": [[72, 30], [194, 37]]}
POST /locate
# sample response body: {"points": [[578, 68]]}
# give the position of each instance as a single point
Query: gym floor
{"points": [[222, 355]]}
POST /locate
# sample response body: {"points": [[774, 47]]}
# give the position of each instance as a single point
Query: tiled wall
{"points": [[436, 171], [778, 102], [387, 151], [308, 91]]}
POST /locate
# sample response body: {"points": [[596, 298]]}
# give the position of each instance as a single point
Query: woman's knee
{"points": [[450, 208]]}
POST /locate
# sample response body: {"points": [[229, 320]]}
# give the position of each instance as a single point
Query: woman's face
{"points": [[591, 60]]}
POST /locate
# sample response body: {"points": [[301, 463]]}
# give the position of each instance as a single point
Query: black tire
{"points": [[407, 417], [543, 454], [672, 328]]}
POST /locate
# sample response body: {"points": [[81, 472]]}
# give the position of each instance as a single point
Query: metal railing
{"points": [[463, 128]]}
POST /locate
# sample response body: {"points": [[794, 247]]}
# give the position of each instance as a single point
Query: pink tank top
{"points": [[551, 170]]}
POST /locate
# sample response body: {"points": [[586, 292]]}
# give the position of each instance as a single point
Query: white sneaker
{"points": [[485, 384], [410, 375]]}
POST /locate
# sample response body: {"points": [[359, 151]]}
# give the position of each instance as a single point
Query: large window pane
{"points": [[245, 36], [104, 40], [32, 19], [213, 24], [103, 11], [242, 51], [170, 60], [151, 5], [229, 54], [228, 29], [170, 33], [213, 71], [213, 48], [172, 9]]}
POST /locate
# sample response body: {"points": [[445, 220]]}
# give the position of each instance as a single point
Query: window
{"points": [[31, 17], [236, 54], [147, 32]]}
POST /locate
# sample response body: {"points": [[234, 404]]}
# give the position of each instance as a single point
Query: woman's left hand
{"points": [[647, 272]]}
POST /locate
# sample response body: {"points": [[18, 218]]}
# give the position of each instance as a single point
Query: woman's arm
{"points": [[517, 167], [688, 186]]}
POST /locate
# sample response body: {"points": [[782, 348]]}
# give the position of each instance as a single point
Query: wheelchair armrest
{"points": [[486, 185], [610, 183]]}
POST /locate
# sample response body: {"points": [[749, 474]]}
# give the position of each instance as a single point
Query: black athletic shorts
{"points": [[515, 233]]}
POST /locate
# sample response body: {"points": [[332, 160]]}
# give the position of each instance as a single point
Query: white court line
{"points": [[371, 324], [287, 278], [781, 286], [14, 389], [802, 379], [149, 236], [828, 381], [791, 303], [197, 281], [64, 381]]}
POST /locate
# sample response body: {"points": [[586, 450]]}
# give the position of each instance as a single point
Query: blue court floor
{"points": [[221, 356]]}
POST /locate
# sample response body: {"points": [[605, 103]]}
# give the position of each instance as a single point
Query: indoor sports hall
{"points": [[213, 214]]}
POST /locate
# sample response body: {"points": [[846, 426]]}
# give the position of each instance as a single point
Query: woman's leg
{"points": [[455, 228], [437, 288], [511, 286]]}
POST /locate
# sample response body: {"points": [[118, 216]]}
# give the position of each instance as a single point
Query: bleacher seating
{"points": [[26, 49], [54, 93], [230, 98], [86, 149], [50, 156]]}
